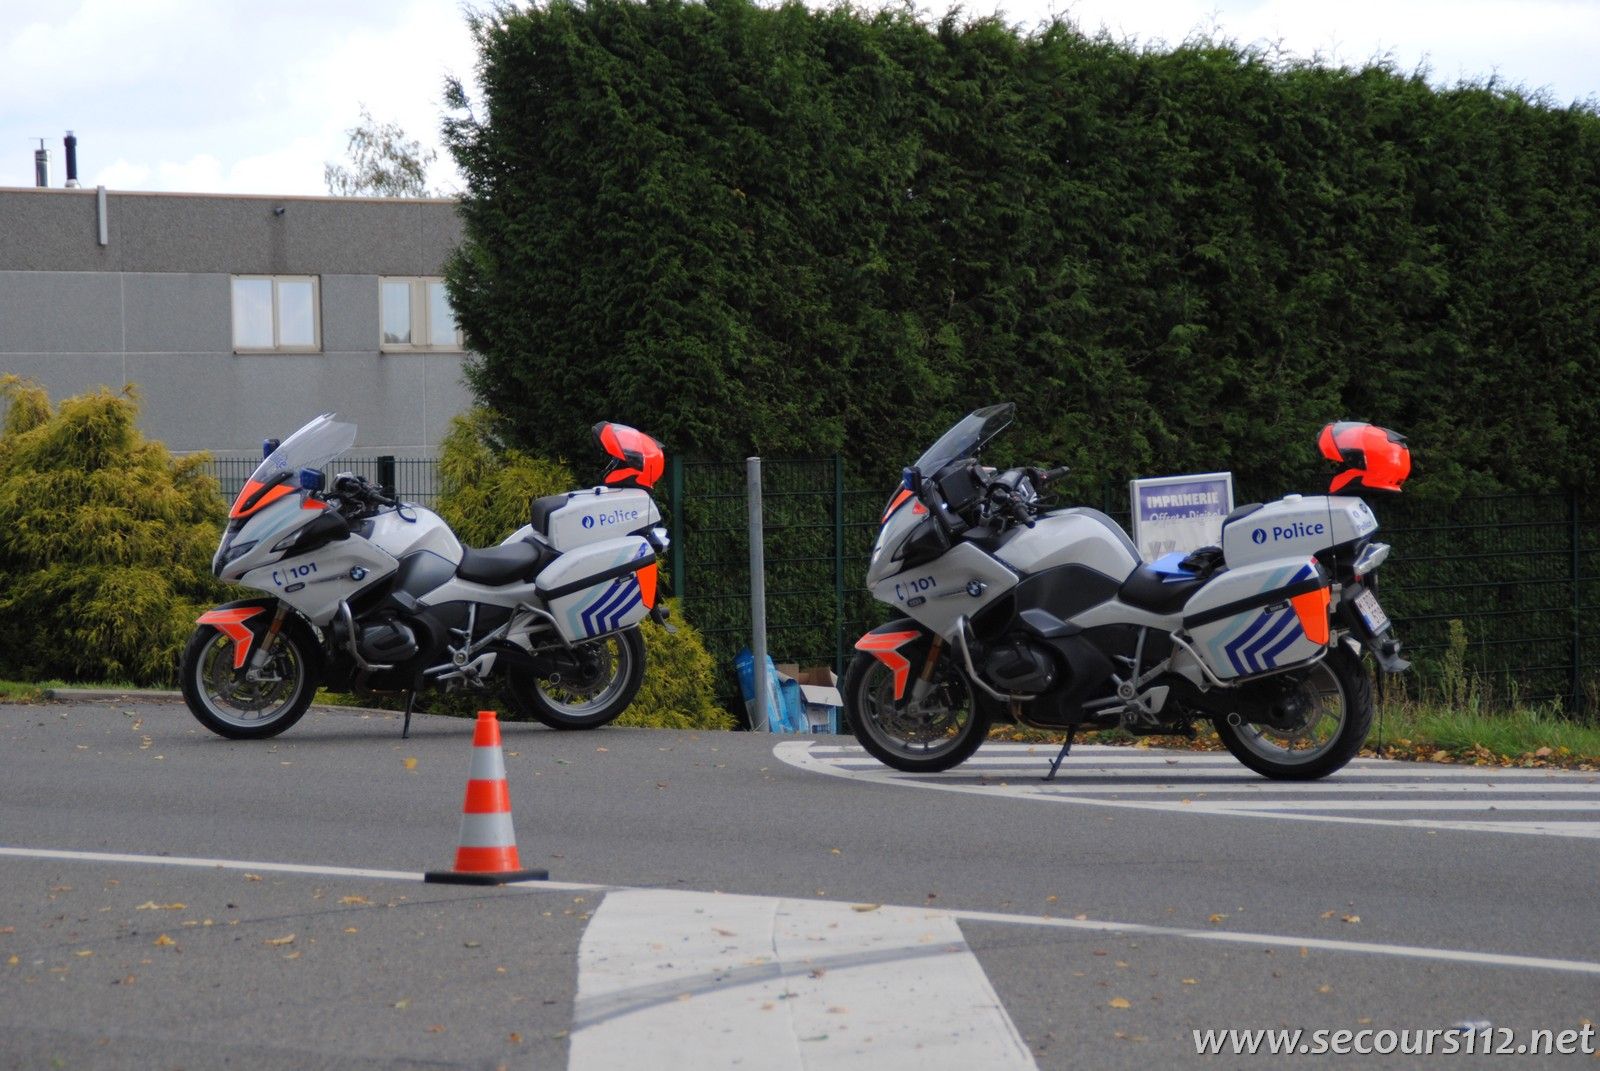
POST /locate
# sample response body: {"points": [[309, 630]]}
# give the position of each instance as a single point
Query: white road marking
{"points": [[267, 868], [697, 980], [1139, 781], [1487, 959]]}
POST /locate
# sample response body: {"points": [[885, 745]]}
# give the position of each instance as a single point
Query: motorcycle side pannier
{"points": [[600, 588], [1260, 617]]}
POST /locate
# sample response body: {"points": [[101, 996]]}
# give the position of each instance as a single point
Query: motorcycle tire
{"points": [[926, 740], [588, 704], [222, 699], [1279, 755]]}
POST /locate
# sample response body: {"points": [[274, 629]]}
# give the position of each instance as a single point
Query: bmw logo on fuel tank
{"points": [[1258, 536]]}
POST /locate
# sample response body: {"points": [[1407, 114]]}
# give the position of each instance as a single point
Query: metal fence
{"points": [[415, 479], [1521, 573]]}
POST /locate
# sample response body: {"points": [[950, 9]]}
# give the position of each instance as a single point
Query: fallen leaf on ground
{"points": [[354, 900], [410, 764], [1352, 918], [865, 907], [1215, 918], [164, 941], [151, 905], [285, 940], [1120, 1002], [1191, 981]]}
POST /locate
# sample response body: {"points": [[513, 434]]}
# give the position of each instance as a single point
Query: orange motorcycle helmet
{"points": [[1365, 456]]}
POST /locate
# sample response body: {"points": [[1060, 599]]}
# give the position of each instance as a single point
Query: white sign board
{"points": [[1179, 512]]}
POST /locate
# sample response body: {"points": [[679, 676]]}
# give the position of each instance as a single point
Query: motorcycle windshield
{"points": [[312, 447], [969, 435]]}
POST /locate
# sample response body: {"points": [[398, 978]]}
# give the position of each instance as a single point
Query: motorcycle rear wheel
{"points": [[614, 670], [1337, 699], [225, 702], [941, 732]]}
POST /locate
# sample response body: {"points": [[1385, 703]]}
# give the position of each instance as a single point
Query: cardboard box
{"points": [[820, 701]]}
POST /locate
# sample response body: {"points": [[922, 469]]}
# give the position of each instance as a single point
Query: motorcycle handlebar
{"points": [[350, 485]]}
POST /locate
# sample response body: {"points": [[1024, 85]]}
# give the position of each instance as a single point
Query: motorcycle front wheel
{"points": [[603, 679], [940, 732], [1332, 714], [228, 704]]}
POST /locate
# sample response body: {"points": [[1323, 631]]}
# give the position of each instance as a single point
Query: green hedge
{"points": [[795, 232]]}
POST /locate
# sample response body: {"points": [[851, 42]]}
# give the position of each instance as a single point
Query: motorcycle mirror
{"points": [[312, 479], [911, 480]]}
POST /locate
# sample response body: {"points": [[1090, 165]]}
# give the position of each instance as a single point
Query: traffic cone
{"points": [[488, 851]]}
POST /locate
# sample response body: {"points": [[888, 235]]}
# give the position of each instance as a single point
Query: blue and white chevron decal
{"points": [[605, 614], [1257, 642], [609, 606]]}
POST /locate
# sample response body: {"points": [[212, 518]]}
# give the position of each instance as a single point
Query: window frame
{"points": [[421, 323], [277, 323]]}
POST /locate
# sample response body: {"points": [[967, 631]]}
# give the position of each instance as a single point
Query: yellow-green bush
{"points": [[678, 690], [484, 493], [485, 488], [105, 540]]}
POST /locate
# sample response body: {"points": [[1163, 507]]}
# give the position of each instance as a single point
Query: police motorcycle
{"points": [[1050, 618], [365, 593]]}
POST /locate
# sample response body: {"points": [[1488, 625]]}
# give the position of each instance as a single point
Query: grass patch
{"points": [[18, 692], [1523, 736], [34, 691]]}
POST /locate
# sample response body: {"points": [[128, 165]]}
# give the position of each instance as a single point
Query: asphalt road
{"points": [[150, 915]]}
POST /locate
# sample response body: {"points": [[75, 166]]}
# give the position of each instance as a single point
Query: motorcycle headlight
{"points": [[238, 550]]}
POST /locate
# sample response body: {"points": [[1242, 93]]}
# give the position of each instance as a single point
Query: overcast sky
{"points": [[233, 97]]}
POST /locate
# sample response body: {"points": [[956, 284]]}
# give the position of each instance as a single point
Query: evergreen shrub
{"points": [[105, 541]]}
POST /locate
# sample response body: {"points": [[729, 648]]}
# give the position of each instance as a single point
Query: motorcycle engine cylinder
{"points": [[388, 642], [1020, 666]]}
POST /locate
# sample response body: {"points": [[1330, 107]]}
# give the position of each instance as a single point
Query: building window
{"points": [[415, 316], [276, 314]]}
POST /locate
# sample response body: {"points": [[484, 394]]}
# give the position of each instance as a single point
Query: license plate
{"points": [[1367, 605]]}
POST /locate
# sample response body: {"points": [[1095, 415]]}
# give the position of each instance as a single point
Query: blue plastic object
{"points": [[744, 663]]}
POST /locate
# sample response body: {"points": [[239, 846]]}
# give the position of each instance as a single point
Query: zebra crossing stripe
{"points": [[1149, 782]]}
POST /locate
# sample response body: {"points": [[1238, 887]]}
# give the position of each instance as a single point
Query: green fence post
{"points": [[675, 482], [1575, 533], [838, 564]]}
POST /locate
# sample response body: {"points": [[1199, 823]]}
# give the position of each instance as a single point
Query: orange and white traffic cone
{"points": [[488, 850]]}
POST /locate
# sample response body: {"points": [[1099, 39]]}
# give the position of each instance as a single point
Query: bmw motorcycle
{"points": [[365, 593], [1050, 618]]}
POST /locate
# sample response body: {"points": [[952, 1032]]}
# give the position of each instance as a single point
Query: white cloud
{"points": [[220, 95]]}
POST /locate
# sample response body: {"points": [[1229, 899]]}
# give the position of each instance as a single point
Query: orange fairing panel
{"points": [[885, 647], [231, 623], [240, 509], [894, 504], [639, 459], [1312, 610]]}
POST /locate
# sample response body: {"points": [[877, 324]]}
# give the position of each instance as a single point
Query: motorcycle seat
{"points": [[521, 560], [1156, 591]]}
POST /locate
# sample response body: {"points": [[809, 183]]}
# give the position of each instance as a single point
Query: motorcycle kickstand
{"points": [[1056, 765], [411, 701]]}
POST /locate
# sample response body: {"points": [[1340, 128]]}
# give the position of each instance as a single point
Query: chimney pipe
{"points": [[41, 165], [71, 142]]}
